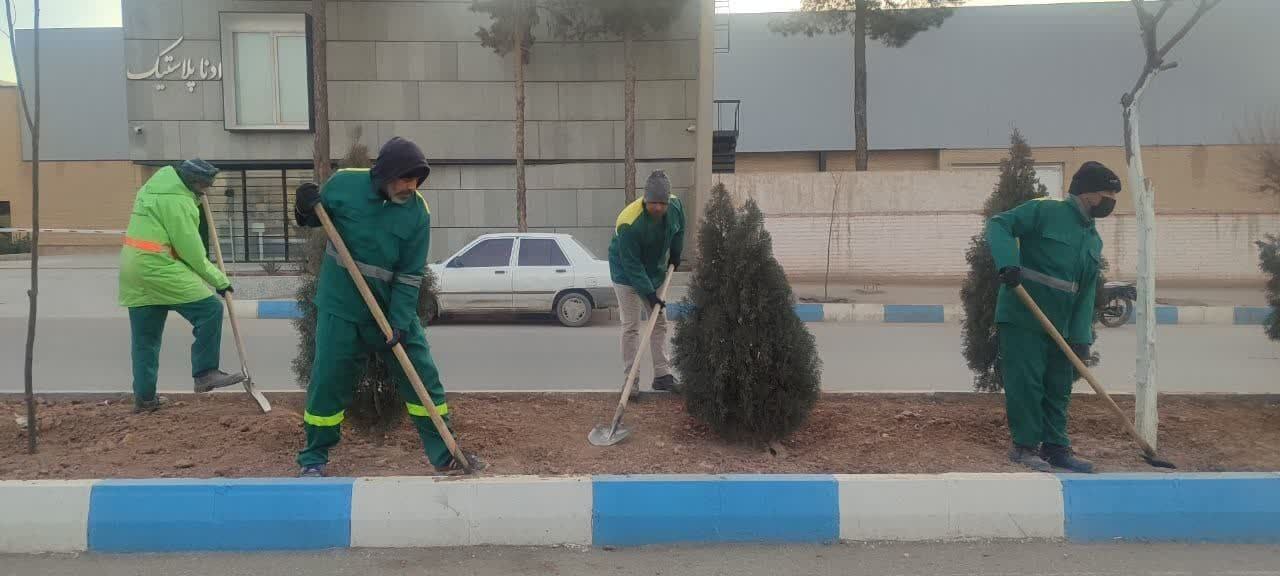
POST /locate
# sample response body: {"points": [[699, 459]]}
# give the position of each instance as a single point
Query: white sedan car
{"points": [[524, 273]]}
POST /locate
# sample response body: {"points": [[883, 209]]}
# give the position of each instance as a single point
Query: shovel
{"points": [[1148, 453], [378, 316], [615, 432], [263, 404]]}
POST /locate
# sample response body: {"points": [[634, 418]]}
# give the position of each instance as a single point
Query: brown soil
{"points": [[223, 435]]}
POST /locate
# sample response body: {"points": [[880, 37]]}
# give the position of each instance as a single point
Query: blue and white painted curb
{"points": [[292, 514], [868, 313]]}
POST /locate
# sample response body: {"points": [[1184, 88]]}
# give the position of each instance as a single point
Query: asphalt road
{"points": [[92, 355], [987, 559]]}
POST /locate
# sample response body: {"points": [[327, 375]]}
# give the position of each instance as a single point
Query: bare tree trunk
{"points": [[320, 162], [1146, 396], [860, 152], [522, 211], [34, 293], [629, 99]]}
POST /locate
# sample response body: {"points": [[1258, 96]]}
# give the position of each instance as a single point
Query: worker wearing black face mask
{"points": [[1052, 248]]}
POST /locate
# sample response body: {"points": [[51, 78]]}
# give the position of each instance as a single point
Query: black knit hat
{"points": [[1094, 177]]}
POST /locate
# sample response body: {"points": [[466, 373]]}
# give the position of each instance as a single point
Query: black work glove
{"points": [[675, 262], [1082, 351], [1010, 276], [654, 300], [305, 201], [397, 336], [225, 290]]}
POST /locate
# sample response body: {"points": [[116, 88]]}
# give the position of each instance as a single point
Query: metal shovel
{"points": [[263, 403], [615, 432]]}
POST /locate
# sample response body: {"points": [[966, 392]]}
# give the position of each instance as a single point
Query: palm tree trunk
{"points": [[629, 98]]}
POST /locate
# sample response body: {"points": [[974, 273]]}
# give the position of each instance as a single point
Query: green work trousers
{"points": [[342, 352], [1037, 386], [146, 329]]}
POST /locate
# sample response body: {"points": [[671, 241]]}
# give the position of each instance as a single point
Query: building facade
{"points": [[230, 81]]}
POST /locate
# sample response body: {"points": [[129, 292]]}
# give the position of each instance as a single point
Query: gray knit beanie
{"points": [[657, 188]]}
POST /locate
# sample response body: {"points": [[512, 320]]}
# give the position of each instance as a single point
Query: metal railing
{"points": [[253, 210], [727, 115]]}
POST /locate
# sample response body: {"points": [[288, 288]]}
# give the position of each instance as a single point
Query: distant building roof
{"points": [[1055, 71]]}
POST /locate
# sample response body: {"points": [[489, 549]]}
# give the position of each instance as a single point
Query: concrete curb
{"points": [[295, 514], [870, 313]]}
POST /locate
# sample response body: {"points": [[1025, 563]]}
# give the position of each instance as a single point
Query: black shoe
{"points": [[148, 406], [454, 468], [214, 379], [1027, 456], [312, 471], [666, 384], [1064, 457]]}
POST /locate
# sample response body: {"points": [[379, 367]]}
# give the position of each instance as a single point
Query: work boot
{"points": [[148, 406], [666, 384], [312, 471], [454, 468], [1064, 457], [1027, 456], [214, 379]]}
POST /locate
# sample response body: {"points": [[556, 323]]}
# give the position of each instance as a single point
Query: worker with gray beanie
{"points": [[1052, 248], [648, 235]]}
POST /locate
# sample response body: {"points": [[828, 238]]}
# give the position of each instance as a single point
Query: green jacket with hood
{"points": [[164, 261]]}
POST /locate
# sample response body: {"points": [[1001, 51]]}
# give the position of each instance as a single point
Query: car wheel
{"points": [[573, 309]]}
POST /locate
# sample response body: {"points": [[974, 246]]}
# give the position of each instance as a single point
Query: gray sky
{"points": [[91, 13]]}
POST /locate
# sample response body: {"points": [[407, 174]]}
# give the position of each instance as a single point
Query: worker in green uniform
{"points": [[1053, 249], [649, 235], [386, 225], [165, 266]]}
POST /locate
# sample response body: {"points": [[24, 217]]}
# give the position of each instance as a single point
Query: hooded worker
{"points": [[648, 236], [1052, 248], [386, 225], [164, 266]]}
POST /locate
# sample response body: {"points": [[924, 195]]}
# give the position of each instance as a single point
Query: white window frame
{"points": [[278, 25]]}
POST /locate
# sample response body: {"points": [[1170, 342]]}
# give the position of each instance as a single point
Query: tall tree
{"points": [[1269, 262], [630, 20], [511, 32], [891, 22], [320, 162], [1155, 61], [31, 115]]}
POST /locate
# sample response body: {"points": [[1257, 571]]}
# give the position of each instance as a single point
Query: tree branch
{"points": [[13, 48], [1201, 8], [1163, 8]]}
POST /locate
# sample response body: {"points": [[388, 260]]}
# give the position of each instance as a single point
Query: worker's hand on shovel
{"points": [[397, 337], [223, 291], [654, 300]]}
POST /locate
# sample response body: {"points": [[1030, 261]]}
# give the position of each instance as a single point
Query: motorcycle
{"points": [[1117, 308]]}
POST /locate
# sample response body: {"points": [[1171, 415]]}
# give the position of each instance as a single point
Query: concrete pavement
{"points": [[92, 355], [985, 558]]}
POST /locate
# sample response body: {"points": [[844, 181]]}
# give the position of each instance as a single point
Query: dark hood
{"points": [[399, 158]]}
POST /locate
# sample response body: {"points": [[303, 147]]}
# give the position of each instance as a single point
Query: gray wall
{"points": [[417, 70], [82, 99], [1054, 71]]}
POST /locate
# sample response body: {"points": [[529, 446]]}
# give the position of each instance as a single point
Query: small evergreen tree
{"points": [[750, 367], [377, 406], [1269, 256]]}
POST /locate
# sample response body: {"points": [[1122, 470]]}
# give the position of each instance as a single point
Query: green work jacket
{"points": [[1060, 253], [642, 245], [389, 243]]}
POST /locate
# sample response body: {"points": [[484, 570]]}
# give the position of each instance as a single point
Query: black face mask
{"points": [[1104, 208]]}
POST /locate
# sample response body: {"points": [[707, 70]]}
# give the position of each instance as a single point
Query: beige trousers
{"points": [[634, 310]]}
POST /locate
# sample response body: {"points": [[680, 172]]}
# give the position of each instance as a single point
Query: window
{"points": [[541, 252], [494, 252], [267, 79]]}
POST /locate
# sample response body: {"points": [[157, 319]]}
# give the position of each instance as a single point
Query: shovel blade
{"points": [[600, 435]]}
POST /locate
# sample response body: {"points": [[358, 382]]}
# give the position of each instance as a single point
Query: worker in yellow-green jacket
{"points": [[164, 266]]}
